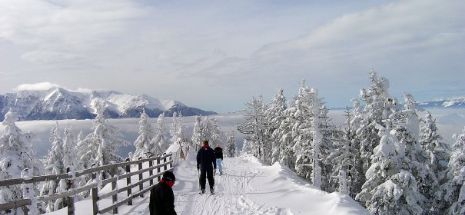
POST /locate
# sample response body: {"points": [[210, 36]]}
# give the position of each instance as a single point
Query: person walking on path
{"points": [[207, 166], [219, 158], [162, 196]]}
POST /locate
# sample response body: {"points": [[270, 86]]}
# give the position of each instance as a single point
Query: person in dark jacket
{"points": [[219, 158], [162, 197], [207, 165]]}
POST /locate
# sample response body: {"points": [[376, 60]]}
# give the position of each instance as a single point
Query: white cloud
{"points": [[63, 31], [234, 48], [42, 86]]}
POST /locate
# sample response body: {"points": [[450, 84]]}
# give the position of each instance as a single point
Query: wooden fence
{"points": [[159, 164]]}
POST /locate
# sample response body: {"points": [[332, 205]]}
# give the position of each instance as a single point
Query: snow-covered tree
{"points": [[284, 135], [307, 134], [100, 147], [69, 150], [54, 165], [255, 126], [274, 115], [177, 136], [317, 141], [231, 147], [143, 144], [28, 191], [377, 108], [15, 156], [161, 138], [454, 188], [207, 129], [345, 158], [389, 189], [438, 155], [413, 155], [197, 133], [303, 133], [196, 138]]}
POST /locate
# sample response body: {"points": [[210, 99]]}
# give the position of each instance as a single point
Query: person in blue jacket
{"points": [[219, 158], [206, 164]]}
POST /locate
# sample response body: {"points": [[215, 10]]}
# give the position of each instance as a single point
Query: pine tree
{"points": [[231, 147], [274, 115], [142, 143], [438, 155], [177, 136], [255, 126], [389, 189], [286, 141], [100, 147], [54, 165], [346, 159], [303, 134], [454, 187], [69, 150], [197, 133], [317, 139], [378, 108], [15, 156], [414, 157], [160, 139]]}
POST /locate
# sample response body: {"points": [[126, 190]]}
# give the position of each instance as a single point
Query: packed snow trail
{"points": [[246, 188]]}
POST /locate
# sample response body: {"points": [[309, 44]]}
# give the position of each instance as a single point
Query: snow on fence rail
{"points": [[163, 164]]}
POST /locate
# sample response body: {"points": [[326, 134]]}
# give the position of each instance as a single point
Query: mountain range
{"points": [[56, 103], [457, 102]]}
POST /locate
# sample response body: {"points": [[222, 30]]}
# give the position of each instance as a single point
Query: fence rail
{"points": [[165, 162]]}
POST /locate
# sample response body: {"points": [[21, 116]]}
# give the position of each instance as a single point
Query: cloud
{"points": [[63, 31], [234, 48], [42, 86], [403, 27]]}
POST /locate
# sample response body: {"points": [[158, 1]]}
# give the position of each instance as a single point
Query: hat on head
{"points": [[205, 142], [169, 176]]}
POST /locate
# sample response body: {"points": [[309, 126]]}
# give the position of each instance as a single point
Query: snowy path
{"points": [[231, 192], [246, 188]]}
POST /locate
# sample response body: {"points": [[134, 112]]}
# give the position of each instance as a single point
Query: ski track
{"points": [[231, 190]]}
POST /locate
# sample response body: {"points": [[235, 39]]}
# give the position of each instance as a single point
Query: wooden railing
{"points": [[163, 163]]}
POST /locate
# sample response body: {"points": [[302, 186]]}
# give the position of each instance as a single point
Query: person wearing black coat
{"points": [[206, 163], [162, 196], [219, 158]]}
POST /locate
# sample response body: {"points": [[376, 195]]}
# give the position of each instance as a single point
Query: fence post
{"points": [[94, 192], [151, 172], [165, 166], [70, 199], [115, 196], [141, 186], [128, 181], [158, 169]]}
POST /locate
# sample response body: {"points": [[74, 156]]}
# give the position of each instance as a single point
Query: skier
{"points": [[162, 197], [219, 158], [207, 166]]}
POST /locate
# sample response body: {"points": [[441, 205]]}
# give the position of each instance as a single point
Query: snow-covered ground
{"points": [[246, 188]]}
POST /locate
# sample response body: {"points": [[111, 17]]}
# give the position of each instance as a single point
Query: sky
{"points": [[217, 55]]}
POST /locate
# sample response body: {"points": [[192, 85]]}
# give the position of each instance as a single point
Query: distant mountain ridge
{"points": [[56, 103], [457, 102]]}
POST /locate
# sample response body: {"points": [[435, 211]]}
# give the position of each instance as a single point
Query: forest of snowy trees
{"points": [[386, 157], [70, 152]]}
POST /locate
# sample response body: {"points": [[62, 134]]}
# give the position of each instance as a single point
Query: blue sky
{"points": [[218, 54]]}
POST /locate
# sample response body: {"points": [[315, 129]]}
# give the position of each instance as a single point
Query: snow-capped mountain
{"points": [[458, 102], [59, 103]]}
